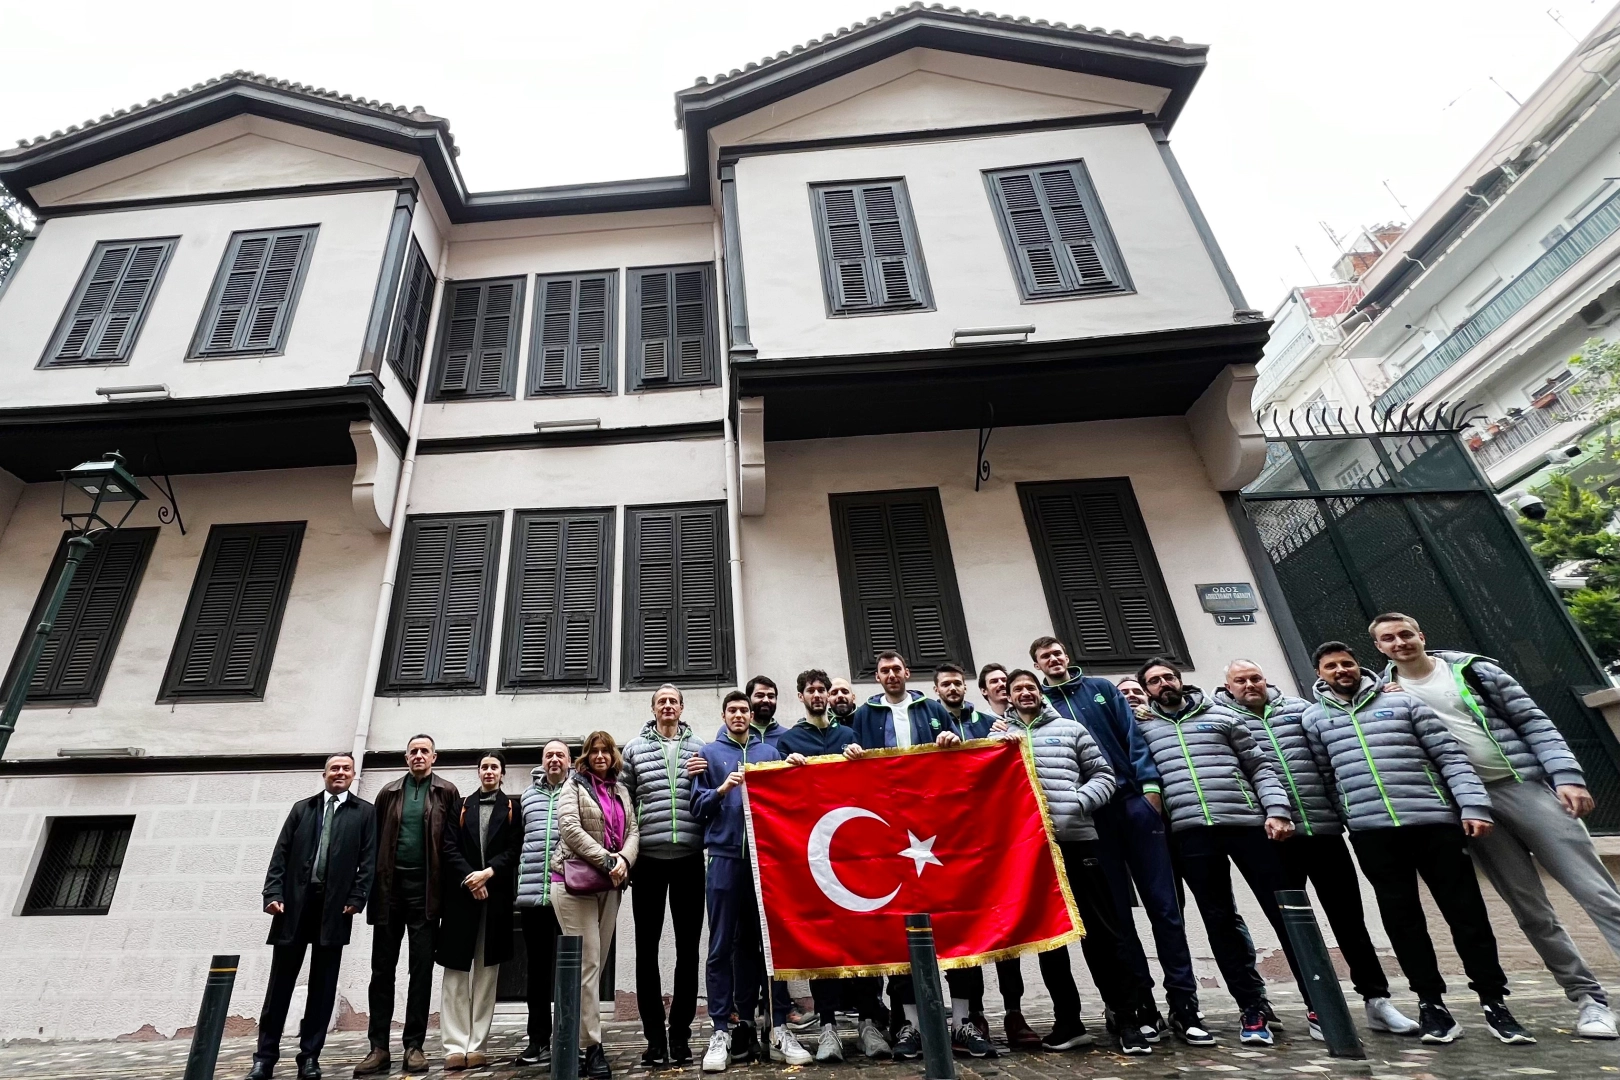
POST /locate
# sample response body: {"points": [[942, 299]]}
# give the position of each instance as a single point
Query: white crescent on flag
{"points": [[819, 854]]}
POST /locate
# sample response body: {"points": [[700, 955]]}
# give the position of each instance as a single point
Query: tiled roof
{"points": [[366, 105], [987, 17]]}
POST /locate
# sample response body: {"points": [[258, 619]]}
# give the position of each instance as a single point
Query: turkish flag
{"points": [[844, 850]]}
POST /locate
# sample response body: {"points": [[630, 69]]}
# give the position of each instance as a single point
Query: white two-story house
{"points": [[930, 347]]}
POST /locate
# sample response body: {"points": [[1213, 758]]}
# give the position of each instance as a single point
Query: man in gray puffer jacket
{"points": [[1402, 785], [541, 833], [1076, 780], [1226, 807], [1538, 796], [658, 768]]}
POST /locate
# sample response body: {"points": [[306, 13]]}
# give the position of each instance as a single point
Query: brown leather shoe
{"points": [[477, 1061], [453, 1062], [375, 1063], [1020, 1036], [415, 1060]]}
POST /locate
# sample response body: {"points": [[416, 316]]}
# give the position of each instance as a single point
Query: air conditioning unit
{"points": [[1602, 311]]}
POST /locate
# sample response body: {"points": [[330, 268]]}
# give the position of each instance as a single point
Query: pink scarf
{"points": [[607, 796]]}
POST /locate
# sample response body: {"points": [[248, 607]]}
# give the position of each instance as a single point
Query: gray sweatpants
{"points": [[1530, 821]]}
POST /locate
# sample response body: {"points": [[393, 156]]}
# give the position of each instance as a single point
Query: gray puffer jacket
{"points": [[540, 836], [655, 775], [1389, 761], [1075, 777], [1210, 769], [1532, 747], [1278, 731]]}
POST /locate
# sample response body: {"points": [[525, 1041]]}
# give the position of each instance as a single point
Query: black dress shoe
{"points": [[309, 1069], [261, 1070]]}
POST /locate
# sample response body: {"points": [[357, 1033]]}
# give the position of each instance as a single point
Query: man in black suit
{"points": [[319, 878]]}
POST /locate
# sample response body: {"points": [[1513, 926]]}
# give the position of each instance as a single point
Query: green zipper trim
{"points": [[1366, 752], [671, 770], [1434, 783], [1243, 788], [1467, 694], [1192, 770], [1288, 774]]}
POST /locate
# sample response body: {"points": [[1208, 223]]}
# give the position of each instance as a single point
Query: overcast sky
{"points": [[1305, 110]]}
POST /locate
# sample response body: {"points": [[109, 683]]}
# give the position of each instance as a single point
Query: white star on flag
{"points": [[921, 852]]}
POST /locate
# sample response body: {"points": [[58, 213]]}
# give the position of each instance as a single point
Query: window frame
{"points": [[908, 228], [441, 344], [1096, 216], [610, 361], [510, 682], [635, 382], [631, 676], [79, 823], [396, 612], [1174, 643], [196, 350], [857, 636], [65, 320], [171, 691], [403, 317]]}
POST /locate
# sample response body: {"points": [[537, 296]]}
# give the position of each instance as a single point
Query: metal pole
{"points": [[216, 1003], [565, 1014], [1327, 997], [938, 1061], [77, 548]]}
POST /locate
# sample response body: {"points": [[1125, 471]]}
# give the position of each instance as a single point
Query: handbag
{"points": [[580, 878]]}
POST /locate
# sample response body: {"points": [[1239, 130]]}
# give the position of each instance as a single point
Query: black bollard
{"points": [[1327, 997], [938, 1061], [565, 1013], [216, 1004]]}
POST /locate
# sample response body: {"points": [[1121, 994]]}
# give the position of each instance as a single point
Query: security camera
{"points": [[1531, 507], [1564, 454]]}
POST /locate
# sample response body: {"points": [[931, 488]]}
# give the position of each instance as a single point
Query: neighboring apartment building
{"points": [[1497, 283], [495, 465]]}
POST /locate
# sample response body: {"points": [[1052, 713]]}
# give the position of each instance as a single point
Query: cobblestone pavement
{"points": [[1536, 1000]]}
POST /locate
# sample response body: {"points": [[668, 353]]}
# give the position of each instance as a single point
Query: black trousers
{"points": [[860, 993], [681, 882], [1103, 946], [540, 933], [1206, 854], [1325, 862], [406, 917], [962, 984], [1393, 859], [285, 962]]}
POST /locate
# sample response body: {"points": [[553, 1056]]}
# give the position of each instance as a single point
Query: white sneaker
{"points": [[873, 1044], [718, 1055], [829, 1047], [1382, 1015], [1595, 1020], [785, 1047]]}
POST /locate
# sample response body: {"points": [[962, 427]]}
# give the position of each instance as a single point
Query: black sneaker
{"points": [[967, 1039], [535, 1054], [655, 1057], [1133, 1038], [1152, 1023], [596, 1064], [1502, 1024], [1437, 1024], [680, 1049], [1066, 1035], [744, 1043], [1188, 1028], [907, 1045], [1256, 1032]]}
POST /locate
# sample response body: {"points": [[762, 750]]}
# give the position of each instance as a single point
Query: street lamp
{"points": [[107, 484]]}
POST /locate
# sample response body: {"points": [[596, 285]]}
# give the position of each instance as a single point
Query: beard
{"points": [[842, 709], [1172, 700]]}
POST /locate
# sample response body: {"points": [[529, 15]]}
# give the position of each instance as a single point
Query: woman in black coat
{"points": [[482, 839]]}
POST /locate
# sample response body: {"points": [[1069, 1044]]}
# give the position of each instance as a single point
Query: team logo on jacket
{"points": [[1099, 700], [1383, 714]]}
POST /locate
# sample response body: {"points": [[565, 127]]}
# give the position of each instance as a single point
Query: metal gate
{"points": [[1345, 523]]}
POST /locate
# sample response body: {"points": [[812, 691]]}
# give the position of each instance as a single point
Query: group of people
{"points": [[1433, 766]]}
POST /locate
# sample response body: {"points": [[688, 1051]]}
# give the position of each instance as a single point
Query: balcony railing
{"points": [[1593, 229], [1519, 431]]}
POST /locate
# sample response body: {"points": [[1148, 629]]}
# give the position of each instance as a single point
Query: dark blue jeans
{"points": [[1131, 846]]}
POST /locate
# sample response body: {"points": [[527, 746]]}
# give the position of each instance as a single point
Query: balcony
{"points": [[1593, 229], [1523, 427]]}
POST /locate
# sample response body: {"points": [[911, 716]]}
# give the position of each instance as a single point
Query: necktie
{"points": [[324, 850]]}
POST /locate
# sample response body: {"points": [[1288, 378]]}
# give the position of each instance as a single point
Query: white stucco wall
{"points": [[789, 553], [972, 281], [322, 346], [314, 685]]}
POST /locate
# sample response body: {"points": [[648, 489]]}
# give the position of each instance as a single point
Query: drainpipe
{"points": [[733, 496], [396, 531]]}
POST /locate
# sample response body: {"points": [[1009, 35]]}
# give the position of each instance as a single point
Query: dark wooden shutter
{"points": [[409, 340], [897, 579], [677, 596], [438, 637], [869, 248], [557, 599], [673, 339], [478, 357], [572, 342], [1103, 586], [228, 636], [1056, 233], [80, 648], [110, 302], [254, 295]]}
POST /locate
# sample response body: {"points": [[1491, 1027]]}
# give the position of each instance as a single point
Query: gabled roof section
{"points": [[1164, 62]]}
